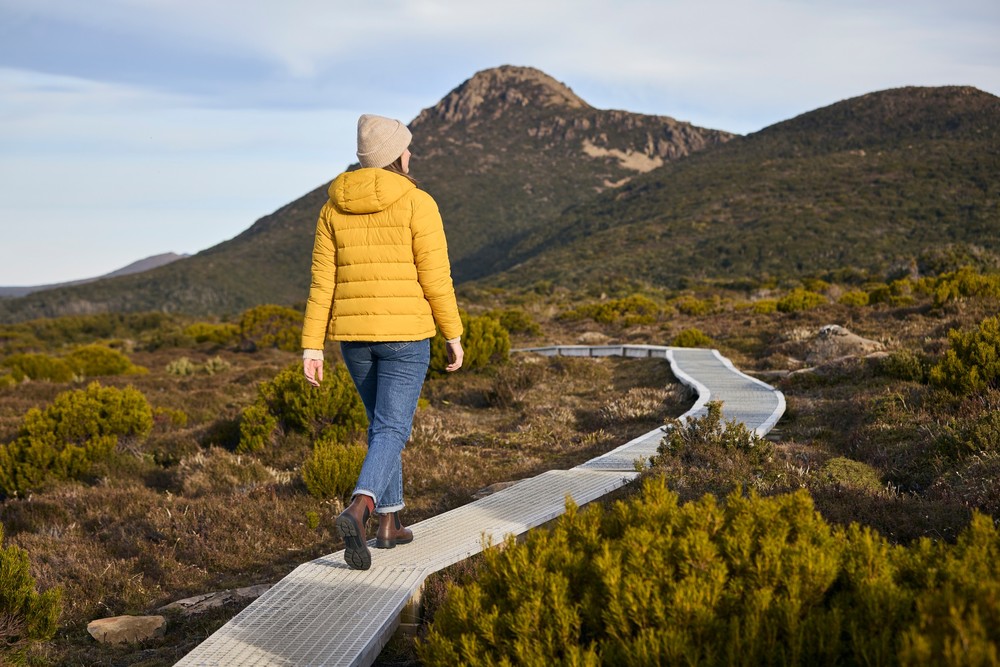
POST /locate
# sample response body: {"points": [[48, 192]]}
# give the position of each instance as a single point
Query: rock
{"points": [[123, 629], [592, 338], [834, 341], [202, 603]]}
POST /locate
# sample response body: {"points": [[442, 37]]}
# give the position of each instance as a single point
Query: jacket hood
{"points": [[368, 190]]}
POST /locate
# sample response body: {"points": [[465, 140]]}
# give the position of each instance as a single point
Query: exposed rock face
{"points": [[126, 629], [834, 341], [202, 603]]}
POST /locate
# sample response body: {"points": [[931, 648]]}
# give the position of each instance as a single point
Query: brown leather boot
{"points": [[352, 525], [391, 532]]}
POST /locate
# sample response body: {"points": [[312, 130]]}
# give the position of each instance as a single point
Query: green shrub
{"points": [[904, 365], [271, 326], [333, 468], [332, 410], [79, 428], [7, 381], [34, 366], [98, 360], [963, 284], [850, 474], [182, 366], [817, 285], [765, 306], [485, 343], [628, 311], [800, 299], [515, 320], [26, 616], [973, 361], [854, 298], [693, 306], [216, 365], [206, 332], [758, 581], [711, 432], [692, 338]]}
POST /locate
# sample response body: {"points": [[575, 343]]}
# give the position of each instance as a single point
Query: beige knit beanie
{"points": [[381, 140]]}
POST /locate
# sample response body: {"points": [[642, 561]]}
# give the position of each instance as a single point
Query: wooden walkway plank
{"points": [[325, 614]]}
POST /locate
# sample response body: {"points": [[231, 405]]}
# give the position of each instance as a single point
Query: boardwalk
{"points": [[324, 613]]}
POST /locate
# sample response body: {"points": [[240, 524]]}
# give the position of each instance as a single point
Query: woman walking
{"points": [[380, 281]]}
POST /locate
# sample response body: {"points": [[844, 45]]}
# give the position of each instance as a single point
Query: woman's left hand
{"points": [[313, 369]]}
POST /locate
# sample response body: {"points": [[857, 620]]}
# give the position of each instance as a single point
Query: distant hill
{"points": [[135, 267], [882, 182], [504, 154]]}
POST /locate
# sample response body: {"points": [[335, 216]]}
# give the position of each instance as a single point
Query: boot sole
{"points": [[356, 553], [390, 544]]}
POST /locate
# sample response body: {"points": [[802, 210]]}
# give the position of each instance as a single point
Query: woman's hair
{"points": [[397, 168]]}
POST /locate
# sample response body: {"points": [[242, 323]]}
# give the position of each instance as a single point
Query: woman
{"points": [[380, 281]]}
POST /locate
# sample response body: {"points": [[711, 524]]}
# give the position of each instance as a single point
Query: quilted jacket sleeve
{"points": [[324, 279], [430, 253]]}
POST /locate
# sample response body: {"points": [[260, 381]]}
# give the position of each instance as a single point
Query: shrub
{"points": [[850, 474], [271, 326], [333, 409], [692, 338], [216, 365], [973, 361], [182, 366], [904, 365], [765, 306], [629, 311], [26, 616], [711, 432], [79, 428], [965, 283], [206, 332], [333, 468], [854, 298], [33, 366], [756, 581], [515, 320], [96, 360], [800, 299], [485, 342], [693, 306]]}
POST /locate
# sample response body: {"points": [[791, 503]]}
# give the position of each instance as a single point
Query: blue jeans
{"points": [[388, 377]]}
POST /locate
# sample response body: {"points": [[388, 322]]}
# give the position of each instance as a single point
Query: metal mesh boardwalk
{"points": [[324, 613]]}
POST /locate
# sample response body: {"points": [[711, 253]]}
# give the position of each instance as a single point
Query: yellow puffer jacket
{"points": [[380, 268]]}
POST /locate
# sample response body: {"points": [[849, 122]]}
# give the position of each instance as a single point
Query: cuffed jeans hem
{"points": [[365, 492], [390, 509]]}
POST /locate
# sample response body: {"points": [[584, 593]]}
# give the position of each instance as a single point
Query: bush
{"points": [[182, 366], [692, 338], [965, 283], [854, 298], [759, 581], [332, 410], [800, 299], [765, 306], [26, 616], [79, 428], [219, 334], [271, 326], [333, 468], [973, 361], [32, 366], [628, 311], [97, 360], [515, 320], [693, 306], [904, 365], [485, 342], [710, 432]]}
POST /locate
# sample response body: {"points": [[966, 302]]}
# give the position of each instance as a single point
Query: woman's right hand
{"points": [[314, 371], [455, 355]]}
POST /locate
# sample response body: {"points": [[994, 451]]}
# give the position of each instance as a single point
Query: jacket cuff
{"points": [[312, 354], [454, 340]]}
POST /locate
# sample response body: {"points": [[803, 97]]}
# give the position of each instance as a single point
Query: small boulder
{"points": [[202, 603], [125, 629], [834, 342]]}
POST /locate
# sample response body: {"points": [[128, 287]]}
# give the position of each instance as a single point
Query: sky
{"points": [[130, 128]]}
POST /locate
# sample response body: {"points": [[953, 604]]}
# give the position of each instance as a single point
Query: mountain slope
{"points": [[135, 267], [503, 153], [871, 183]]}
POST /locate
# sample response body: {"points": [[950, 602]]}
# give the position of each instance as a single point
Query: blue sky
{"points": [[129, 128]]}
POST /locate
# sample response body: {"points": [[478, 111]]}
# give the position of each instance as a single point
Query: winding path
{"points": [[324, 613]]}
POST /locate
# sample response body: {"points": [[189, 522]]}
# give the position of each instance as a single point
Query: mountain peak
{"points": [[491, 92]]}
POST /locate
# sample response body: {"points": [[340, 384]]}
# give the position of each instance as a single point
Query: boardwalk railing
{"points": [[324, 613]]}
